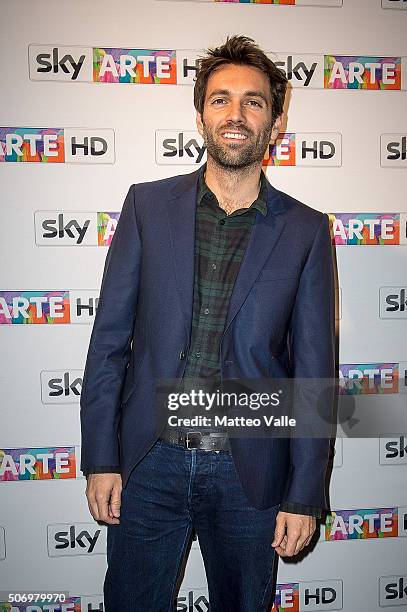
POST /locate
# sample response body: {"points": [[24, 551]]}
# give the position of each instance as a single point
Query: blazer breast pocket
{"points": [[271, 275]]}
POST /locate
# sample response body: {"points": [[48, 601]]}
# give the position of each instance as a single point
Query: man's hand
{"points": [[292, 533], [103, 492]]}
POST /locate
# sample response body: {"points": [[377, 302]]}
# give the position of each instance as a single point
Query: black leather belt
{"points": [[208, 441]]}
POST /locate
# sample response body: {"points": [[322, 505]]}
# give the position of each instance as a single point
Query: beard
{"points": [[236, 156]]}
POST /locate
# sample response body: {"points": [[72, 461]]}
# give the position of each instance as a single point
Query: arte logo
{"points": [[368, 229], [312, 149], [371, 378], [37, 463], [362, 72], [187, 148], [393, 450], [192, 601], [57, 145], [393, 150], [393, 302], [47, 307], [312, 596], [76, 539], [61, 386], [365, 524], [394, 4], [74, 228], [2, 544], [393, 591]]}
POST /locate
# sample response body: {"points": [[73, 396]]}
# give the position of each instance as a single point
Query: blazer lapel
{"points": [[263, 238]]}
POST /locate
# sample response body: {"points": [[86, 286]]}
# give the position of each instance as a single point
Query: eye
{"points": [[255, 103], [218, 100]]}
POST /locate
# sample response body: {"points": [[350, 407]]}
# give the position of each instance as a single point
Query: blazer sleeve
{"points": [[109, 346], [312, 353]]}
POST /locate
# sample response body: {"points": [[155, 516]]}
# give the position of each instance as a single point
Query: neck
{"points": [[233, 189]]}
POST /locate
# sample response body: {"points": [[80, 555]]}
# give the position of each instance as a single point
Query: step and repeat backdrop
{"points": [[97, 96]]}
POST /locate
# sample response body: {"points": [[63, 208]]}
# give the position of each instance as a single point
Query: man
{"points": [[210, 274]]}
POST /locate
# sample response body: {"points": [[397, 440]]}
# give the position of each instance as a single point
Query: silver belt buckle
{"points": [[193, 433]]}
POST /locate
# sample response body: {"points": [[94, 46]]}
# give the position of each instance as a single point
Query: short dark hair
{"points": [[240, 50]]}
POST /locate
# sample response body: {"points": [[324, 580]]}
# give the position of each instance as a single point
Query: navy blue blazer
{"points": [[280, 323]]}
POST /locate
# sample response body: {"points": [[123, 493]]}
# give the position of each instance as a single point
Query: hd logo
{"points": [[311, 596], [57, 145], [76, 539], [61, 386], [47, 307], [178, 67], [74, 228], [173, 147]]}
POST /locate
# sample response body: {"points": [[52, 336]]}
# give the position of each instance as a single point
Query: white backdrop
{"points": [[359, 563]]}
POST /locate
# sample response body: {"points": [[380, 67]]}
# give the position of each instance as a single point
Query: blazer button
{"points": [[182, 354]]}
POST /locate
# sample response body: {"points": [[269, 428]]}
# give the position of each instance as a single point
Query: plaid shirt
{"points": [[220, 245]]}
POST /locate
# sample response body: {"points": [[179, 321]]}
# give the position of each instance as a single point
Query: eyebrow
{"points": [[250, 93]]}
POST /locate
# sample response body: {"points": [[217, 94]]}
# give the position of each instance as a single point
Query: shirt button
{"points": [[182, 355], [197, 355], [222, 222], [206, 311], [213, 266]]}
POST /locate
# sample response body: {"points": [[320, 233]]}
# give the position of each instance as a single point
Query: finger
{"points": [[279, 531], [102, 500], [92, 505], [115, 502], [292, 539]]}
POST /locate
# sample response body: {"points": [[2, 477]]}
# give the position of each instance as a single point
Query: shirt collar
{"points": [[260, 203]]}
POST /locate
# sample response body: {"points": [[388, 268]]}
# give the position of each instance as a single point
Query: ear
{"points": [[276, 127], [199, 124]]}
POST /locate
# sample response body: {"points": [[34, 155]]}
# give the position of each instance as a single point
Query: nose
{"points": [[235, 111]]}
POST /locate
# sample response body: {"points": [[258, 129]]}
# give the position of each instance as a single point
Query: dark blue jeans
{"points": [[170, 493]]}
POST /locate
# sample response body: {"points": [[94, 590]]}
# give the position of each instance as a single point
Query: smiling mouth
{"points": [[235, 136]]}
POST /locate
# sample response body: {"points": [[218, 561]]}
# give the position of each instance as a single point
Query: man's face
{"points": [[236, 122]]}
